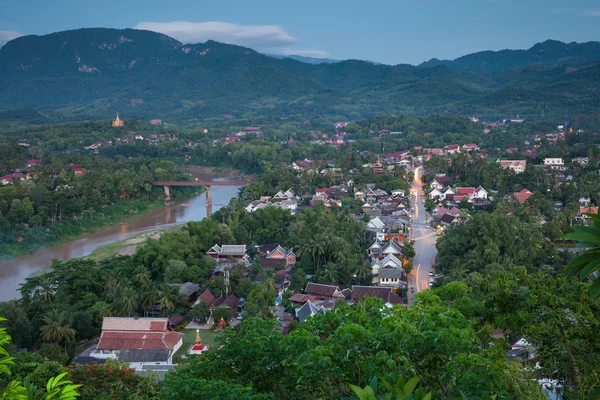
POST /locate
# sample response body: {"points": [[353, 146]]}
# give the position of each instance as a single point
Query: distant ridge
{"points": [[90, 73], [552, 53], [314, 60]]}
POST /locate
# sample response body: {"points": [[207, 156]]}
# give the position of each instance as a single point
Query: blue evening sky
{"points": [[390, 31]]}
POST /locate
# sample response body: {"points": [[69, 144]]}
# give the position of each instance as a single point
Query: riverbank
{"points": [[124, 247], [36, 239]]}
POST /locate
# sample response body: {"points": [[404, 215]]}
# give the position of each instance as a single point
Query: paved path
{"points": [[424, 240]]}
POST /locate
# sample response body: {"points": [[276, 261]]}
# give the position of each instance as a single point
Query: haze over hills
{"points": [[91, 73]]}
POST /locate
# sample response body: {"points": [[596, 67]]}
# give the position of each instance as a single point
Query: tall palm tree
{"points": [[362, 270], [56, 328], [46, 290], [151, 296], [142, 277], [168, 297], [269, 283], [128, 302]]}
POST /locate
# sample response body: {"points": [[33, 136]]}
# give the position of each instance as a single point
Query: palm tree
{"points": [[362, 271], [128, 302], [142, 277], [168, 297], [46, 290], [151, 296], [57, 328], [269, 283]]}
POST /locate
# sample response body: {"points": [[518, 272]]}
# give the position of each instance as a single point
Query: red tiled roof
{"points": [[302, 298], [138, 340], [523, 195], [207, 297], [465, 190]]}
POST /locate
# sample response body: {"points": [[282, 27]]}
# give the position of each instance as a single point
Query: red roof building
{"points": [[523, 196]]}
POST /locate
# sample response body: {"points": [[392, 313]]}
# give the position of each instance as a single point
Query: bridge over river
{"points": [[168, 184]]}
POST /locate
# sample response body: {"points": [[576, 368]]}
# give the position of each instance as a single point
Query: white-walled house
{"points": [[138, 341], [554, 161]]}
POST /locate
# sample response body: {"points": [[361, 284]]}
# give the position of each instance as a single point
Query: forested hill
{"points": [[551, 53], [91, 73]]}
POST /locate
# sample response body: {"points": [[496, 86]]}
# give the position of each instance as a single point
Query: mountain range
{"points": [[92, 73]]}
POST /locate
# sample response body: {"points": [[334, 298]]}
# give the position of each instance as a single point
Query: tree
{"points": [[222, 312], [586, 264], [56, 328], [56, 388], [259, 303], [113, 380], [429, 205], [200, 312]]}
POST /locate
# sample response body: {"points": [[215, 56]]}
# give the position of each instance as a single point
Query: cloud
{"points": [[6, 36], [592, 13], [588, 12], [304, 53], [256, 36]]}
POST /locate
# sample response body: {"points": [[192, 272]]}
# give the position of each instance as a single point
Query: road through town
{"points": [[424, 239]]}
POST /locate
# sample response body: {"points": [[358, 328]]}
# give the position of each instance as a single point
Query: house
{"points": [[6, 179], [76, 169], [470, 147], [583, 161], [585, 201], [323, 292], [374, 248], [447, 219], [308, 310], [272, 255], [480, 193], [517, 166], [389, 261], [466, 191], [138, 341], [390, 276], [585, 218], [452, 149], [155, 122], [189, 290], [387, 294], [228, 252], [522, 196], [435, 193], [554, 161], [440, 181]]}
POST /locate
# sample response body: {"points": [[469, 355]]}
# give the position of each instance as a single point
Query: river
{"points": [[14, 272]]}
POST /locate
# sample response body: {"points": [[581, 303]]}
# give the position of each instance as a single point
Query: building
{"points": [[323, 292], [272, 255], [583, 161], [117, 121], [517, 166], [138, 341], [391, 276], [387, 294], [523, 196], [452, 149], [554, 161], [228, 252]]}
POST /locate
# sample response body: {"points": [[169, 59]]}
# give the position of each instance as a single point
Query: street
{"points": [[424, 240]]}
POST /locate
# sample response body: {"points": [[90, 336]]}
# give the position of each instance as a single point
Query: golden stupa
{"points": [[118, 121]]}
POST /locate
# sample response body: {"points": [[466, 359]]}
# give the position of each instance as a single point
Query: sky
{"points": [[386, 31]]}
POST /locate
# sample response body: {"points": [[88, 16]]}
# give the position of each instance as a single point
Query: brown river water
{"points": [[14, 272]]}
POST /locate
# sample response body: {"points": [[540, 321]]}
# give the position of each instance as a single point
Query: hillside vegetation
{"points": [[91, 73]]}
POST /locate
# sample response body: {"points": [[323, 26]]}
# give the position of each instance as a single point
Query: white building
{"points": [[554, 161], [517, 166]]}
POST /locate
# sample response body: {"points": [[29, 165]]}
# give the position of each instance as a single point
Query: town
{"points": [[295, 201]]}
